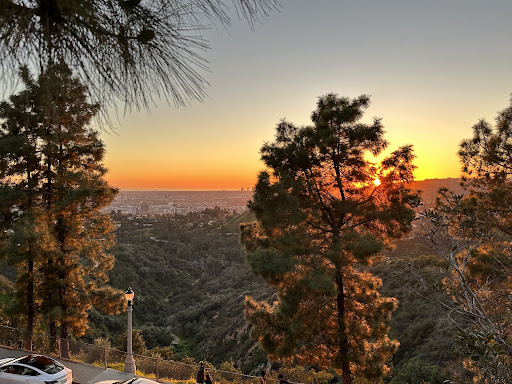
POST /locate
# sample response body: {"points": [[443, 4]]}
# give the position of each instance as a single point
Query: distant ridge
{"points": [[430, 187]]}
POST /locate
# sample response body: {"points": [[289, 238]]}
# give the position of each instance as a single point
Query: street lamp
{"points": [[129, 363]]}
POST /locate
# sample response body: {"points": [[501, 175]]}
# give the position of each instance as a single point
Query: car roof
{"points": [[32, 361], [15, 359], [37, 361], [6, 360]]}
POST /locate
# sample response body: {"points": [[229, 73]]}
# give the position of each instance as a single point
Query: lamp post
{"points": [[129, 363]]}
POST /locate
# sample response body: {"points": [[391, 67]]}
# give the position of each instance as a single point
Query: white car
{"points": [[33, 369], [136, 380]]}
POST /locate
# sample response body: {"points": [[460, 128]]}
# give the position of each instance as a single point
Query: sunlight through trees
{"points": [[320, 219]]}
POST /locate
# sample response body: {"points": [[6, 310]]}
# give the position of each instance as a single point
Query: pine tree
{"points": [[487, 178], [71, 192], [21, 216], [472, 233], [320, 218], [123, 50], [487, 168]]}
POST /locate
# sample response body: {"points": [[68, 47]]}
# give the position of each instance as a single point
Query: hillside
{"points": [[190, 278], [430, 187]]}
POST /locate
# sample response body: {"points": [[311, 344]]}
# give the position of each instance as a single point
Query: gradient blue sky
{"points": [[432, 67]]}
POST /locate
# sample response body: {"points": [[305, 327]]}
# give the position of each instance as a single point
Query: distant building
{"points": [[128, 209], [181, 211]]}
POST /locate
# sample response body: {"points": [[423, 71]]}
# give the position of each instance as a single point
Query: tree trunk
{"points": [[53, 337], [30, 306], [64, 342], [29, 333], [342, 329], [61, 275]]}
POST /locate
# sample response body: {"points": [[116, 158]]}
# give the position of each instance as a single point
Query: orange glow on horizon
{"points": [[192, 181], [229, 179], [215, 143], [234, 172]]}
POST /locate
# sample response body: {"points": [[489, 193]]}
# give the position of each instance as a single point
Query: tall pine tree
{"points": [[20, 199], [71, 192], [323, 210]]}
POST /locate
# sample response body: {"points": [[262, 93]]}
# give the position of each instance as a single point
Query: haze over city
{"points": [[432, 68]]}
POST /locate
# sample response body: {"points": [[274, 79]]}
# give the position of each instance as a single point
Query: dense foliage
{"points": [[201, 301], [190, 279], [411, 274]]}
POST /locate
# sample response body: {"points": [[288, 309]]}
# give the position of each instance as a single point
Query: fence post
{"points": [[157, 375], [105, 357]]}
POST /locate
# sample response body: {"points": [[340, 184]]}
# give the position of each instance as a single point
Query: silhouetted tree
{"points": [[321, 216]]}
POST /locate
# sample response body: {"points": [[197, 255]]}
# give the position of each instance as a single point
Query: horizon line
{"points": [[186, 189], [165, 189]]}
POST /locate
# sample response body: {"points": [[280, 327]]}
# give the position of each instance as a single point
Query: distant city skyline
{"points": [[178, 202], [433, 69], [163, 189]]}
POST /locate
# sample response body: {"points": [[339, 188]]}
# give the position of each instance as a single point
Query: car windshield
{"points": [[43, 363]]}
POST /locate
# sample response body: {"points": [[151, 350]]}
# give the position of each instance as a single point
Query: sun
{"points": [[376, 182]]}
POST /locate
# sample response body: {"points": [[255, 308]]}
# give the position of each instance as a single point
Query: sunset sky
{"points": [[432, 68]]}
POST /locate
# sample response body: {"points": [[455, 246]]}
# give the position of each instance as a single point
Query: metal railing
{"points": [[104, 356]]}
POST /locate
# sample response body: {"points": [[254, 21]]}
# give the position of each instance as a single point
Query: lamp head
{"points": [[129, 295]]}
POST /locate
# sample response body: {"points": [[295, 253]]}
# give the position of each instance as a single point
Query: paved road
{"points": [[82, 373]]}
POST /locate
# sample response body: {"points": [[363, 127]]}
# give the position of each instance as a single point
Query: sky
{"points": [[433, 68]]}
